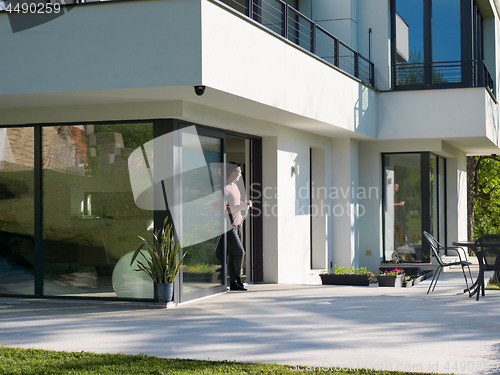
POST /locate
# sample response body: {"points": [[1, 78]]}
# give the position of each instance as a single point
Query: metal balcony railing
{"points": [[445, 74], [286, 21]]}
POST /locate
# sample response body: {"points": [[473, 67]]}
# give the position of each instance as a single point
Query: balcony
{"points": [[286, 21], [447, 74], [141, 59]]}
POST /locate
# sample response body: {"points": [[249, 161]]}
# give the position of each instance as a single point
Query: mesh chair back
{"points": [[435, 245], [489, 247]]}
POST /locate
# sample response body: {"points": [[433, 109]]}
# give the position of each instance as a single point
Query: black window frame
{"points": [[425, 157], [160, 127], [471, 47]]}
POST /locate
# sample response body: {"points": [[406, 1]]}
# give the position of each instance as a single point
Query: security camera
{"points": [[199, 90]]}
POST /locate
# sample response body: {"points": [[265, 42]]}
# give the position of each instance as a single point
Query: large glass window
{"points": [[75, 198], [429, 37], [414, 202], [17, 259], [202, 214], [446, 52], [410, 42], [90, 219]]}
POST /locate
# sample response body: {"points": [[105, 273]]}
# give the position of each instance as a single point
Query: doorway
{"points": [[205, 265]]}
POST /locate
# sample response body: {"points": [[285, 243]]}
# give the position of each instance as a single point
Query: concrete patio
{"points": [[330, 327]]}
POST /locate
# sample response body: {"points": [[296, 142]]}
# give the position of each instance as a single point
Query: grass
{"points": [[492, 284], [36, 361]]}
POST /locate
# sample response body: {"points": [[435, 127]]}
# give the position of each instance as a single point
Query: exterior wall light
{"points": [[295, 169]]}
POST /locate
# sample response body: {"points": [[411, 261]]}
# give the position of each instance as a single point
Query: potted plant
{"points": [[346, 276], [417, 278], [393, 278], [161, 261]]}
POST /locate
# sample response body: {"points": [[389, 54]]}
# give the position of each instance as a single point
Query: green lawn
{"points": [[492, 284], [34, 361]]}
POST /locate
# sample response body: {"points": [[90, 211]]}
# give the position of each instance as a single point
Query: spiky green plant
{"points": [[162, 264]]}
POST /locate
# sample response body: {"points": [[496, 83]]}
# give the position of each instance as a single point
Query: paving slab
{"points": [[327, 327]]}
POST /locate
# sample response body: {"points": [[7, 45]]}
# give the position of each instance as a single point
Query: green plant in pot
{"points": [[161, 261]]}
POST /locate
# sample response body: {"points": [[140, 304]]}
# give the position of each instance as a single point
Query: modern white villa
{"points": [[351, 120]]}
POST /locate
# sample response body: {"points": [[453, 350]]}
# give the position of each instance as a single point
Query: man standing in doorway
{"points": [[234, 206], [399, 234]]}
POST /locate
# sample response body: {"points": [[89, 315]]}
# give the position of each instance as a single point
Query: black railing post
{"points": [[480, 73], [372, 74], [249, 7], [356, 65], [38, 211], [313, 37], [336, 52], [284, 20]]}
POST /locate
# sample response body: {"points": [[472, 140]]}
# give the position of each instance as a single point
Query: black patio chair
{"points": [[487, 250], [436, 247]]}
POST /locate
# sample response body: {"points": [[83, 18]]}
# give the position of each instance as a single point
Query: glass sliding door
{"points": [[203, 213], [414, 201], [17, 187], [90, 218], [403, 213]]}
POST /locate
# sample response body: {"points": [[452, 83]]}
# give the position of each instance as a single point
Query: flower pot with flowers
{"points": [[393, 278], [420, 276], [347, 276]]}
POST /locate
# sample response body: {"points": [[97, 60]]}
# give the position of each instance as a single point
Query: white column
{"points": [[345, 203], [270, 208]]}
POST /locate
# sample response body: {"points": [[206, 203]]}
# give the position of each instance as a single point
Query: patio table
{"points": [[470, 245]]}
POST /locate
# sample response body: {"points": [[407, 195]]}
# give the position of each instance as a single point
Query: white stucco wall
{"points": [[246, 60], [345, 205], [375, 15], [439, 114], [370, 223], [338, 18], [105, 46]]}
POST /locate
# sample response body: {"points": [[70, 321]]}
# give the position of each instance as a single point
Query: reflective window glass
{"points": [[202, 211], [17, 259], [403, 211], [446, 41], [91, 222], [410, 41]]}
